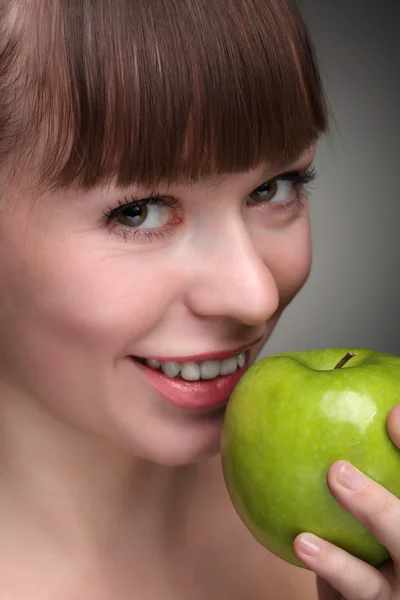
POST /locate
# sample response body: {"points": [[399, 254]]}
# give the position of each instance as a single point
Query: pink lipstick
{"points": [[202, 394]]}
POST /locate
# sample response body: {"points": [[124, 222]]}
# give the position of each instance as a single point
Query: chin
{"points": [[186, 450], [192, 440]]}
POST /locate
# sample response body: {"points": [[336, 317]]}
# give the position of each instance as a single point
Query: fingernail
{"points": [[350, 477], [310, 545]]}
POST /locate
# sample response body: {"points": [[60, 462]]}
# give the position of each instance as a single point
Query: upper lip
{"points": [[209, 355]]}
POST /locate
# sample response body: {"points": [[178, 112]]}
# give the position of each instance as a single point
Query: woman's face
{"points": [[194, 278]]}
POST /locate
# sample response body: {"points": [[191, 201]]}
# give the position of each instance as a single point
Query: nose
{"points": [[229, 278]]}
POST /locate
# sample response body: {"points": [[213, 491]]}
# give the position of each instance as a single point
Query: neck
{"points": [[84, 492]]}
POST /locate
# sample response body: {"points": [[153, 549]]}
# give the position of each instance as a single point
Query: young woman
{"points": [[153, 227]]}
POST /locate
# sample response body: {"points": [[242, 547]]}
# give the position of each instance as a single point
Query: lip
{"points": [[209, 355], [201, 395]]}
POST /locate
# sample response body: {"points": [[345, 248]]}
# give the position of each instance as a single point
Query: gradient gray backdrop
{"points": [[352, 297]]}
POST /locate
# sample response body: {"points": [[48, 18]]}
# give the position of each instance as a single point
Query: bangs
{"points": [[161, 91]]}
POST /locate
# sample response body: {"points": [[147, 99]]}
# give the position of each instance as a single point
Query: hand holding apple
{"points": [[290, 418]]}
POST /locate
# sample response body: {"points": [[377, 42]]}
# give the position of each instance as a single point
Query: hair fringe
{"points": [[156, 92]]}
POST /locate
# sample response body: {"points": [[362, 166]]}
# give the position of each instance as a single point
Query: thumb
{"points": [[326, 591]]}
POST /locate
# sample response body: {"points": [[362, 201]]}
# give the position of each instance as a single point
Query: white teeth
{"points": [[153, 363], [171, 369], [241, 359], [206, 369], [190, 371], [209, 369], [228, 366]]}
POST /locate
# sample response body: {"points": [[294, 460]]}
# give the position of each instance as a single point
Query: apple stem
{"points": [[345, 359]]}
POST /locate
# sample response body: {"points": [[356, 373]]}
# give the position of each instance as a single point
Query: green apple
{"points": [[290, 417]]}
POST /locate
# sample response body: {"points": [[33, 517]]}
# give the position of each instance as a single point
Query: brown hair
{"points": [[154, 90]]}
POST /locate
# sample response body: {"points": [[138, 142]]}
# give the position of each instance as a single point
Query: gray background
{"points": [[352, 297]]}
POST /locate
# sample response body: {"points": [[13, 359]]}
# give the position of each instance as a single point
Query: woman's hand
{"points": [[339, 573]]}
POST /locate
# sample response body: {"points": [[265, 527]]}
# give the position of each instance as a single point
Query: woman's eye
{"points": [[276, 190], [143, 215]]}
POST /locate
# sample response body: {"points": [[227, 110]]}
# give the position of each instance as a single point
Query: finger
{"points": [[350, 576], [393, 425], [369, 502]]}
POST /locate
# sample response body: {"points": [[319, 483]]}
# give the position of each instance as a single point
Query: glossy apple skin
{"points": [[289, 418]]}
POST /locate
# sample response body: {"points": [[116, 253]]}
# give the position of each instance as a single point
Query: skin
{"points": [[90, 451], [104, 484], [81, 300]]}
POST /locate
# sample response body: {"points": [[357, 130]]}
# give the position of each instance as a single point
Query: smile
{"points": [[193, 371], [201, 382]]}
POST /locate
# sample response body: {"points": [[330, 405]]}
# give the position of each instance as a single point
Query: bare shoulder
{"points": [[234, 562]]}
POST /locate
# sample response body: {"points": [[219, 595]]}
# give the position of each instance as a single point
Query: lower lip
{"points": [[194, 395]]}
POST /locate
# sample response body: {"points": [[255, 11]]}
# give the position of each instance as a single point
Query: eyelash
{"points": [[298, 179], [148, 235]]}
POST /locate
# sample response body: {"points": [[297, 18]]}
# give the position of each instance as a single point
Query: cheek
{"points": [[71, 306], [108, 304], [288, 256], [69, 317]]}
